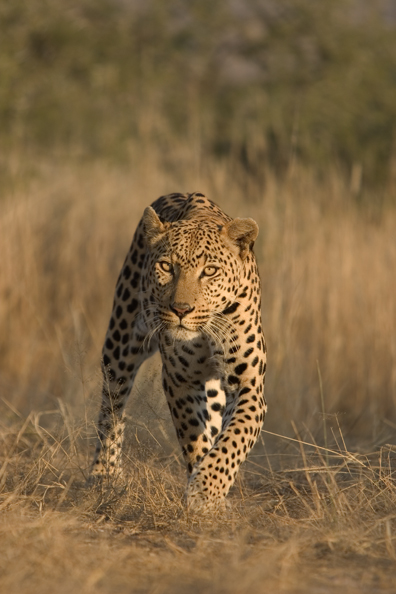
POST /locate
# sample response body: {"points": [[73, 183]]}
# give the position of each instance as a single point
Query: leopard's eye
{"points": [[210, 270], [165, 266]]}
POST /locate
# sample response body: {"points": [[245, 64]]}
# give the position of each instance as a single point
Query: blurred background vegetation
{"points": [[270, 82]]}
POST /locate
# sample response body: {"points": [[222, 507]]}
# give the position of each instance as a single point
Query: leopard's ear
{"points": [[241, 234], [152, 225]]}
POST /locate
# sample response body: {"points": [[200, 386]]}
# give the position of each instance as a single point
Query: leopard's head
{"points": [[193, 273]]}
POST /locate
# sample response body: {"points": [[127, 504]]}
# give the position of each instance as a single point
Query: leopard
{"points": [[190, 288]]}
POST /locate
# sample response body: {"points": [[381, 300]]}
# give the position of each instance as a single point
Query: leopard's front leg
{"points": [[213, 477], [120, 366], [188, 404]]}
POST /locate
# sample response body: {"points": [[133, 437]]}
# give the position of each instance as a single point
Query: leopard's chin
{"points": [[184, 333]]}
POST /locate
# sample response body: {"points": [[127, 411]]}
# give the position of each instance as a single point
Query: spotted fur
{"points": [[189, 287]]}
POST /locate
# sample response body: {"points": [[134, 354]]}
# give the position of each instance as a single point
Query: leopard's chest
{"points": [[191, 362]]}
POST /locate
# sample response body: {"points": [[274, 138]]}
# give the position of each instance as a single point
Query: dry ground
{"points": [[313, 511]]}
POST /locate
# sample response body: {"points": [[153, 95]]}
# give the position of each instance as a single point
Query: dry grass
{"points": [[301, 518], [311, 525]]}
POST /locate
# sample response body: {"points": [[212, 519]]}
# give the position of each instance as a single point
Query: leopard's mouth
{"points": [[175, 323], [186, 326]]}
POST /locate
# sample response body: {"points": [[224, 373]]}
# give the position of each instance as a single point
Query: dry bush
{"points": [[301, 518]]}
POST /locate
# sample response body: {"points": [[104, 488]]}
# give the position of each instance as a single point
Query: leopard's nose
{"points": [[181, 309]]}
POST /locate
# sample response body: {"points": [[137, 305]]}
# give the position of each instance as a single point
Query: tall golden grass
{"points": [[313, 510], [327, 267]]}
